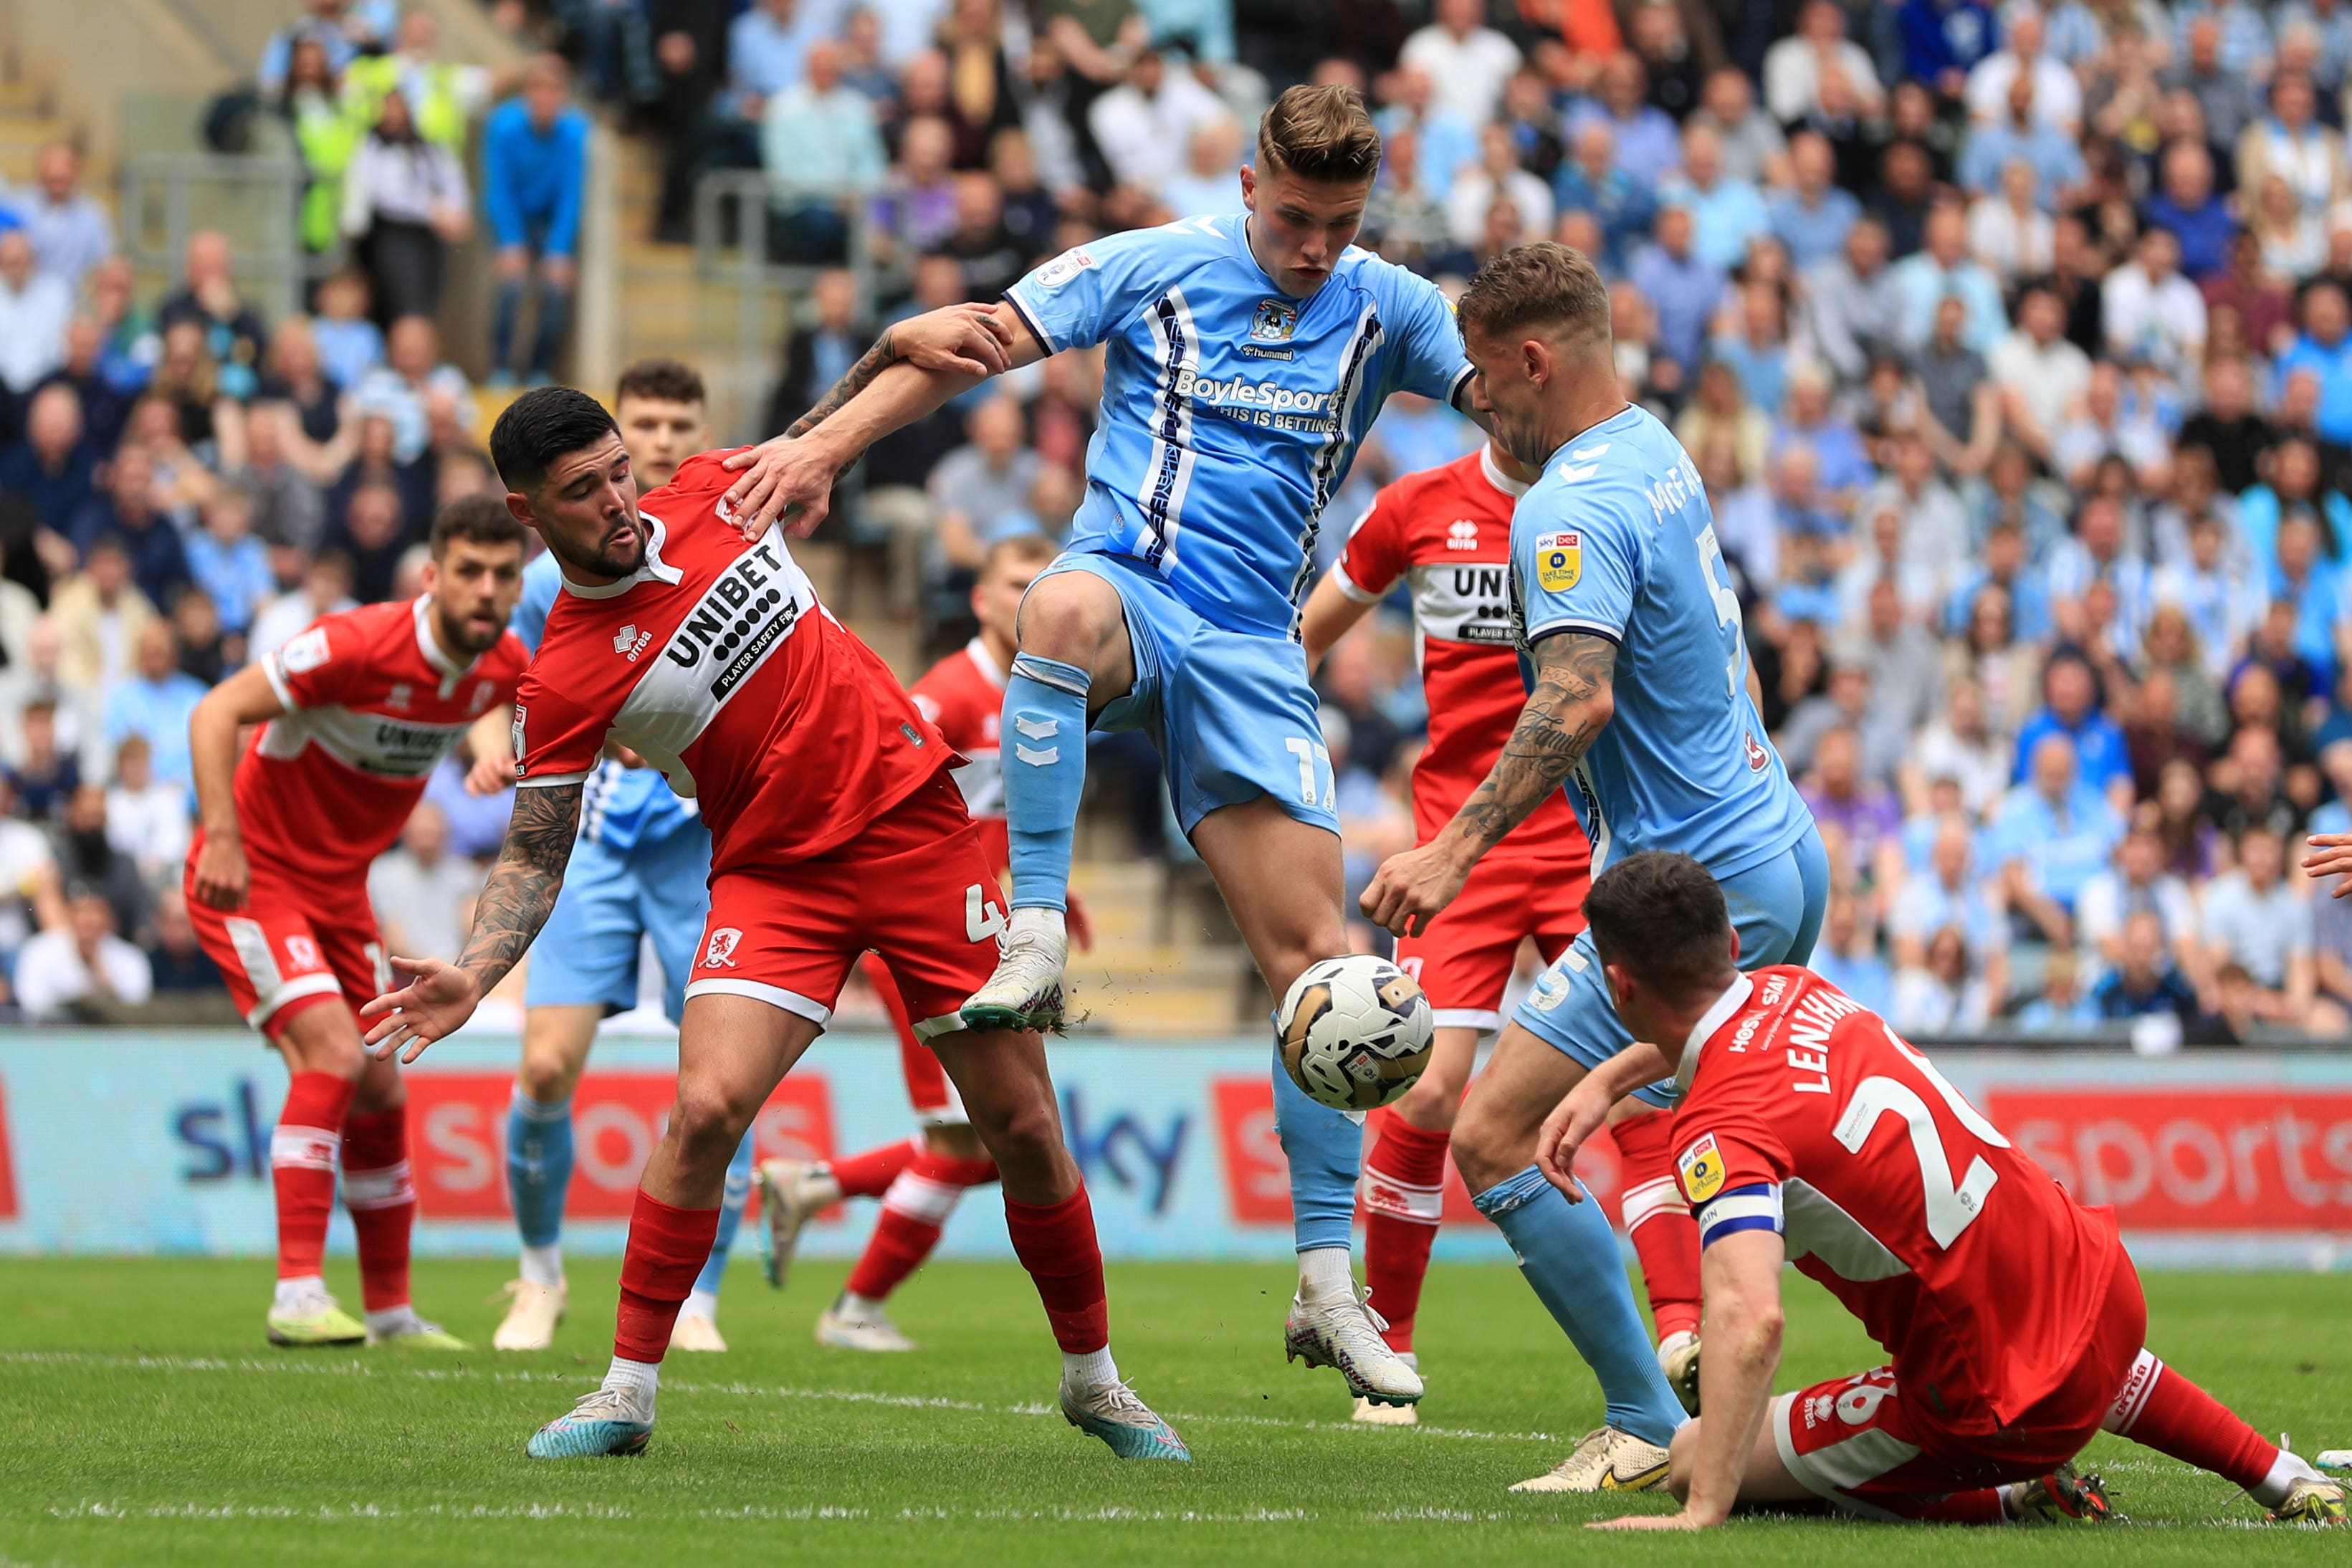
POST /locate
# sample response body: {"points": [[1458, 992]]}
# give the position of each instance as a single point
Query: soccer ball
{"points": [[1355, 1032]]}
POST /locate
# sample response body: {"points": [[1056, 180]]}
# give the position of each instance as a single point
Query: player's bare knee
{"points": [[956, 1142], [548, 1077], [1072, 617], [707, 1123]]}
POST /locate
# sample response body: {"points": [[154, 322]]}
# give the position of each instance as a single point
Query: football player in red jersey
{"points": [[1446, 533], [834, 830], [920, 1178], [1808, 1132], [355, 712]]}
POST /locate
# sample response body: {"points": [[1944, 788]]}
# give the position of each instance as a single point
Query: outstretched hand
{"points": [[2331, 855], [961, 340], [1571, 1123], [433, 1007]]}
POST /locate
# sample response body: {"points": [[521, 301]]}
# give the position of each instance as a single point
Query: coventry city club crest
{"points": [[1273, 322]]}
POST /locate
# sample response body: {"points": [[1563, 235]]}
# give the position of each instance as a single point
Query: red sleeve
{"points": [[1722, 1141], [1375, 555], [556, 741], [320, 666]]}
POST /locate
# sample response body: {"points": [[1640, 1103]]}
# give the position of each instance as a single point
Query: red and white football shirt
{"points": [[1447, 532], [715, 663], [373, 704], [963, 696], [1806, 1114]]}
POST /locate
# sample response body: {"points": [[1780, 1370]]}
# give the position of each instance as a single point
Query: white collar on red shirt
{"points": [[985, 662], [428, 645], [1733, 999], [1494, 475], [654, 569]]}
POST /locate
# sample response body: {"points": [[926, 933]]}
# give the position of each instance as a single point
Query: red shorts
{"points": [[1463, 960], [915, 887], [298, 941], [1871, 1447]]}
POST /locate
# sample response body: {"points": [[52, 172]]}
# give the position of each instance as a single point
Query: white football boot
{"points": [[693, 1331], [1607, 1460], [1025, 991], [1372, 1414], [603, 1421], [1678, 1359], [792, 1194], [1111, 1411], [870, 1330], [1343, 1332], [531, 1316]]}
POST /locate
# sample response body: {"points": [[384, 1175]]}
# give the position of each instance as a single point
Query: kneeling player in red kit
{"points": [[1808, 1132], [355, 712], [834, 830]]}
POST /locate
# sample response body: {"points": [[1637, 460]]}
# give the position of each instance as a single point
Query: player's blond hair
{"points": [[1544, 288], [1321, 133]]}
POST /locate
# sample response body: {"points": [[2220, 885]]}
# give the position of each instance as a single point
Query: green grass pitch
{"points": [[153, 1425]]}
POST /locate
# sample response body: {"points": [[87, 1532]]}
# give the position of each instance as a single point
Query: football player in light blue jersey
{"points": [[1639, 703], [1245, 357], [641, 869]]}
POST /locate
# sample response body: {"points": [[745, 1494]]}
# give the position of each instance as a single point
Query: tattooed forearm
{"points": [[1571, 705], [523, 886], [877, 359]]}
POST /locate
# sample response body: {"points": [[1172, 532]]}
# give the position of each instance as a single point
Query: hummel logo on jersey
{"points": [[631, 641], [721, 953], [1462, 534]]}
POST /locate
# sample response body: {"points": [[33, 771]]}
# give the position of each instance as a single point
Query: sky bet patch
{"points": [[1701, 1169], [1559, 561]]}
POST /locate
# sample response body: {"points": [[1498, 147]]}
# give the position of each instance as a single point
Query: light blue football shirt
{"points": [[1616, 538], [1230, 411], [619, 805]]}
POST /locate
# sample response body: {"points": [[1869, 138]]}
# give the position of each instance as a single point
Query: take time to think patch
{"points": [[1701, 1169], [1559, 561]]}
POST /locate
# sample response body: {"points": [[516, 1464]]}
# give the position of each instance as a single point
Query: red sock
{"points": [[913, 1211], [1980, 1507], [869, 1175], [302, 1168], [383, 1200], [2172, 1415], [667, 1247], [1659, 1223], [1404, 1197], [1056, 1242]]}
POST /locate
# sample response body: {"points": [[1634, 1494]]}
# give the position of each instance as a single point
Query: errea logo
{"points": [[1462, 534], [631, 641]]}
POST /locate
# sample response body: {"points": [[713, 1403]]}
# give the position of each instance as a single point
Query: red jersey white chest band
{"points": [[1807, 1115], [715, 663], [373, 704], [963, 695], [1446, 532]]}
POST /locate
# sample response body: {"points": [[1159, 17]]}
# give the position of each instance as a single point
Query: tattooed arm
{"points": [[912, 368], [1573, 700], [514, 904]]}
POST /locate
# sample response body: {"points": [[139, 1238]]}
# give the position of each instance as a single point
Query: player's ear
{"points": [[1734, 947], [518, 508], [1249, 187]]}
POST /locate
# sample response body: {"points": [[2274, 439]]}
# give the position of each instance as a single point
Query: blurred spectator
{"points": [[2137, 882], [124, 515], [2070, 707], [146, 817], [2224, 94], [233, 333], [1145, 123], [1796, 67], [44, 772], [340, 29], [1855, 809], [1647, 143], [155, 702], [405, 204], [1951, 991], [1949, 894], [375, 531], [442, 96], [30, 887], [2144, 982], [2020, 136], [2259, 921], [1812, 217], [1957, 744], [2188, 209], [51, 467], [228, 563], [348, 343], [100, 614], [1588, 180], [1680, 286], [1209, 184], [82, 962], [981, 485], [2007, 231], [1853, 303], [2052, 834], [2150, 309], [820, 353], [176, 960], [1725, 214], [823, 154], [70, 230], [1467, 61], [1847, 955], [421, 892], [1942, 269], [1753, 147], [534, 168], [2057, 96], [34, 309], [1496, 177], [325, 589], [402, 392]]}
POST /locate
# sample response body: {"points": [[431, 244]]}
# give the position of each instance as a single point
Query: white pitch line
{"points": [[366, 1513], [734, 1388]]}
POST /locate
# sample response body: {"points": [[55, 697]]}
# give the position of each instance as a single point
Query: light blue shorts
{"points": [[1231, 713], [587, 952], [1777, 910]]}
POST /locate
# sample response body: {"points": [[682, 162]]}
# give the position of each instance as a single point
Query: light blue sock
{"points": [[1045, 739], [1326, 1151], [1569, 1255], [732, 1199], [538, 1165]]}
